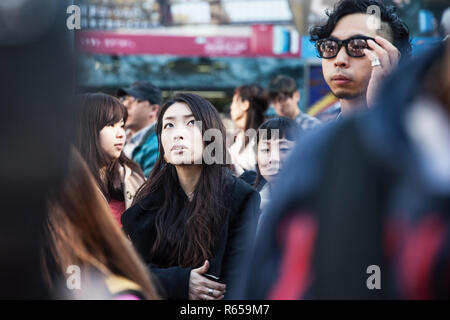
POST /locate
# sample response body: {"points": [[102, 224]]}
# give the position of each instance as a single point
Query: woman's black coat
{"points": [[237, 233]]}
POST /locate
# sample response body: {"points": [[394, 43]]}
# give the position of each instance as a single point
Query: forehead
{"points": [[284, 98], [354, 24], [177, 110]]}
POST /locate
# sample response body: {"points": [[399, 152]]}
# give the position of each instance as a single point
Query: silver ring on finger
{"points": [[210, 292], [376, 62]]}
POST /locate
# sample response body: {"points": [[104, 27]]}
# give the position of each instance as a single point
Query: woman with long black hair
{"points": [[192, 219]]}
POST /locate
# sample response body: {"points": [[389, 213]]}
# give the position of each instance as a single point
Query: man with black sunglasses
{"points": [[358, 51]]}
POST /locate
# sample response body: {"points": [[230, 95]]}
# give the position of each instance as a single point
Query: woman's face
{"points": [[181, 139], [238, 108], [272, 154], [112, 139]]}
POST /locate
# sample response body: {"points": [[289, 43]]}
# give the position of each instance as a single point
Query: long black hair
{"points": [[186, 230], [288, 129], [96, 111]]}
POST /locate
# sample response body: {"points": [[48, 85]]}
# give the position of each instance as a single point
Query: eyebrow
{"points": [[185, 116], [351, 37]]}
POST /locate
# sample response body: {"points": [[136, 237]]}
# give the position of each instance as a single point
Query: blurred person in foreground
{"points": [[142, 101], [100, 140], [36, 117], [284, 96], [373, 192], [79, 232], [189, 219], [247, 112], [356, 54]]}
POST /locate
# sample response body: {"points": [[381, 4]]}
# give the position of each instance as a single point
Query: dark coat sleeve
{"points": [[173, 282], [241, 238]]}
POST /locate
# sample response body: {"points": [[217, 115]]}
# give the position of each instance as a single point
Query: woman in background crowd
{"points": [[82, 239], [275, 140], [247, 111], [191, 219], [100, 140]]}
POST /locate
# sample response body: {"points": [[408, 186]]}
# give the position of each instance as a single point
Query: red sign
{"points": [[107, 42], [262, 39]]}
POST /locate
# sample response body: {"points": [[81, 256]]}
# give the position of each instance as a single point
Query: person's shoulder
{"points": [[150, 138], [307, 122], [241, 191], [140, 212], [122, 288], [304, 117], [238, 184], [248, 176], [149, 202], [132, 174]]}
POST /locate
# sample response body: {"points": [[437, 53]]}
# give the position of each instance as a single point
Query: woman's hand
{"points": [[201, 288]]}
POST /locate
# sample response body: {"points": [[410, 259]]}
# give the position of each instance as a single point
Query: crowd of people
{"points": [[167, 200]]}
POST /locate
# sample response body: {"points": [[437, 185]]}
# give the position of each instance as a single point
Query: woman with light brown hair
{"points": [[80, 234], [100, 139]]}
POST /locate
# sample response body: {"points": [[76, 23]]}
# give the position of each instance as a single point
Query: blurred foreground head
{"points": [[80, 231], [36, 86]]}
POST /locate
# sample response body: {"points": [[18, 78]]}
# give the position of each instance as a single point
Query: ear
{"points": [[155, 108], [296, 96], [153, 111], [245, 105]]}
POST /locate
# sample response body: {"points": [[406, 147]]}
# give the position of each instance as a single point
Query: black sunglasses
{"points": [[354, 46]]}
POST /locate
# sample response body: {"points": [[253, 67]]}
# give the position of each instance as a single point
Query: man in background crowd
{"points": [[284, 96], [142, 101]]}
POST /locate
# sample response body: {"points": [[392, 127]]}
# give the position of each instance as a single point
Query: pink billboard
{"points": [[259, 44]]}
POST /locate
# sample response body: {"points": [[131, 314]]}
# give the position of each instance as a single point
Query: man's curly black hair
{"points": [[398, 30]]}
